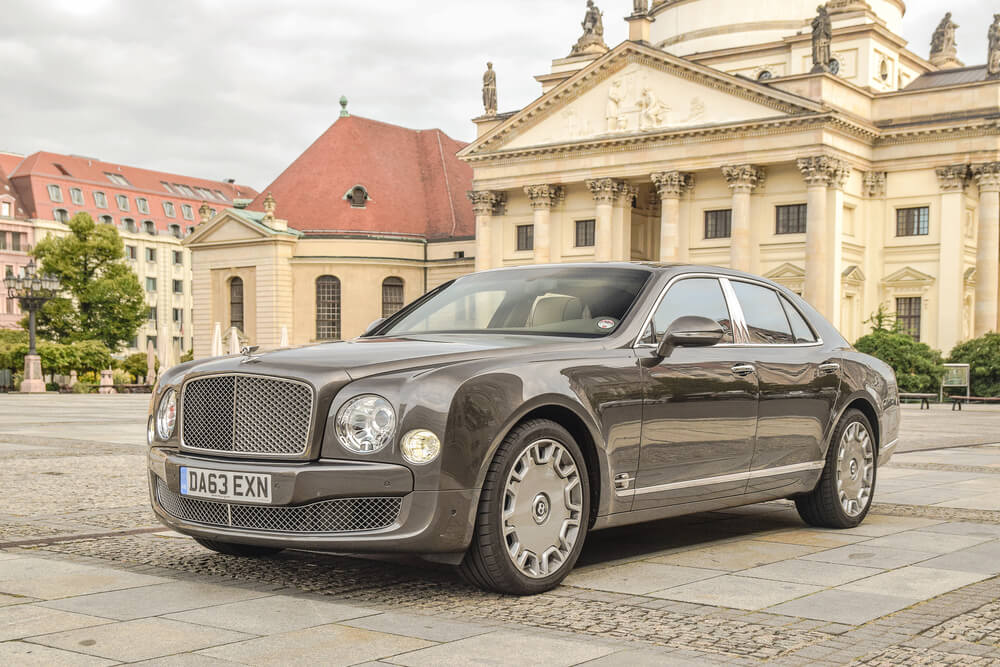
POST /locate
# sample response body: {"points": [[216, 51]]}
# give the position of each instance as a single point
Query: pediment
{"points": [[853, 274], [908, 276], [636, 90], [227, 227], [786, 271]]}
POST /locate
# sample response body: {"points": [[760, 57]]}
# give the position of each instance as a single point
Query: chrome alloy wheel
{"points": [[542, 508], [855, 469]]}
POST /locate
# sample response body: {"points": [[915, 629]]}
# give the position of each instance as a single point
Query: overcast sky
{"points": [[239, 88]]}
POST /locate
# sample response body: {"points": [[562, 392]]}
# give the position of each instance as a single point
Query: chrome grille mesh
{"points": [[342, 515], [247, 415]]}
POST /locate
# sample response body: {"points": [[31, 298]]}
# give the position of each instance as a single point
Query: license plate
{"points": [[223, 485]]}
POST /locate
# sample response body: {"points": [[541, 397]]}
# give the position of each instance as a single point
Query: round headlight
{"points": [[365, 424], [420, 446], [166, 415]]}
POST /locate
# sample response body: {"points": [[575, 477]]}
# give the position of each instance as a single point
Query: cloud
{"points": [[220, 88]]}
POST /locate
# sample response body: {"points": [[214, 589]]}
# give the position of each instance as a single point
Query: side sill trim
{"points": [[723, 479]]}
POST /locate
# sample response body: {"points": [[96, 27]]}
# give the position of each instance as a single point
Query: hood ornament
{"points": [[248, 353]]}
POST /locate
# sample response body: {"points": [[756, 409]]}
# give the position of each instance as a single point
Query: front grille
{"points": [[246, 415], [342, 515]]}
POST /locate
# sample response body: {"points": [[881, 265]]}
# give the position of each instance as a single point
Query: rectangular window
{"points": [[585, 233], [187, 211], [3, 243], [142, 204], [117, 179], [913, 221], [100, 200], [150, 254], [908, 316], [719, 224], [76, 195], [55, 193], [168, 209], [525, 237], [15, 240], [178, 257], [150, 284], [152, 313], [790, 219], [178, 315], [122, 202], [178, 287], [151, 340], [130, 251], [5, 209]]}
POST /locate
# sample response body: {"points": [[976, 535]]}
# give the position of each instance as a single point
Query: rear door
{"points": [[799, 380]]}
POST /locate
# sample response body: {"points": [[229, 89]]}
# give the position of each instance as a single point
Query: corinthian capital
{"points": [[987, 176], [822, 170], [875, 184], [605, 190], [486, 202], [672, 183], [744, 178], [953, 178], [544, 196]]}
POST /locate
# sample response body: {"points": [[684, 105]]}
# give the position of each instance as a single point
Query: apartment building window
{"points": [[150, 284], [175, 231], [122, 202], [100, 200], [3, 244], [790, 219], [168, 209], [142, 204], [55, 193], [60, 215], [130, 225], [221, 196], [178, 257], [719, 224], [525, 237], [327, 308], [5, 209], [585, 233], [16, 239], [151, 340], [152, 314], [107, 220], [117, 179], [392, 296], [178, 287], [184, 190], [913, 221], [76, 196], [130, 251], [187, 211], [149, 227], [150, 254], [236, 303], [179, 315], [908, 316]]}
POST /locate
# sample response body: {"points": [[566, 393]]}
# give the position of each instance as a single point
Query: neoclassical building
{"points": [[819, 151]]}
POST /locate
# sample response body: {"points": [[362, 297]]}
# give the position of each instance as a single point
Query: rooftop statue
{"points": [[822, 38], [944, 50], [592, 40], [490, 90], [993, 56], [640, 7]]}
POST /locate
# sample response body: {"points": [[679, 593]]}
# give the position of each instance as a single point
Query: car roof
{"points": [[656, 267]]}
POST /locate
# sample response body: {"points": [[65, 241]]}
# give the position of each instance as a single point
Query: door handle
{"points": [[743, 369], [829, 369]]}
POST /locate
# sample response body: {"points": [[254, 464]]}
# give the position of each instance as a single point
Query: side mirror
{"points": [[373, 325], [690, 331]]}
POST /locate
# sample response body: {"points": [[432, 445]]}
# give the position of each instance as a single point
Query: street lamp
{"points": [[32, 291]]}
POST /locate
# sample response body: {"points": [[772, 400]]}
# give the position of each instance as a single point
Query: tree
{"points": [[983, 356], [104, 300], [138, 365], [918, 368]]}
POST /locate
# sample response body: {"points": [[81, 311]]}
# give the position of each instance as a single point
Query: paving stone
{"points": [[8, 600], [983, 558], [142, 639], [965, 528], [737, 592], [185, 660], [153, 600], [827, 539], [915, 583], [649, 658], [22, 654], [638, 578], [816, 573], [922, 495], [879, 525], [928, 542], [839, 606], [985, 501], [29, 620], [498, 648], [431, 628], [866, 556], [48, 579], [272, 615], [735, 556], [337, 644]]}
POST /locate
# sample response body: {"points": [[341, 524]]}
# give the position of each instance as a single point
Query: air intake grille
{"points": [[247, 415], [342, 515]]}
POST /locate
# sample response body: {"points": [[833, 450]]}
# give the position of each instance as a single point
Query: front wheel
{"points": [[233, 549], [845, 491], [533, 512]]}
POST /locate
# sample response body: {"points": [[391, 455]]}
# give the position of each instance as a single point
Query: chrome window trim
{"points": [[723, 479]]}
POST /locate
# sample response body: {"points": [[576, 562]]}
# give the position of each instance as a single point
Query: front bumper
{"points": [[324, 505]]}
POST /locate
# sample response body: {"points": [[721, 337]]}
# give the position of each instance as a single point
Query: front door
{"points": [[699, 407]]}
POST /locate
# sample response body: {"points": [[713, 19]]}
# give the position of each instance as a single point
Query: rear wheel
{"points": [[533, 512], [845, 491], [233, 549]]}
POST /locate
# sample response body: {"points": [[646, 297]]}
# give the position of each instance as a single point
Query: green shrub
{"points": [[84, 388], [51, 386], [983, 356], [120, 376], [918, 368]]}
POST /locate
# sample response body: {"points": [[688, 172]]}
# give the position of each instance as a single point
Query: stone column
{"points": [[823, 242], [873, 236], [951, 265], [605, 191], [670, 185], [743, 180], [543, 198], [484, 204], [621, 224], [988, 247]]}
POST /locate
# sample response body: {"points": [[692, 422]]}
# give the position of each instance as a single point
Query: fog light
{"points": [[420, 446]]}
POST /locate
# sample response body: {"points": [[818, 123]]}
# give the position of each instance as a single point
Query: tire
{"points": [[549, 462], [233, 549], [826, 506]]}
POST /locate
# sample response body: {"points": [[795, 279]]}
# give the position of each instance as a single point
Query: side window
{"points": [[701, 297], [766, 320], [800, 328]]}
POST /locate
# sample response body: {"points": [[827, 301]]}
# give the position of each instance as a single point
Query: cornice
{"points": [[942, 132]]}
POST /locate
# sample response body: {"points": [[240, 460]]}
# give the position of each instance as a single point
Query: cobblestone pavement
{"points": [[88, 577]]}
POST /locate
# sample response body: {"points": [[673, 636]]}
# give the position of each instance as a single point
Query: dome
{"points": [[684, 27]]}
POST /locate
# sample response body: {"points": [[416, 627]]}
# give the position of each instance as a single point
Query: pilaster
{"points": [[825, 177], [543, 199], [951, 280], [485, 204]]}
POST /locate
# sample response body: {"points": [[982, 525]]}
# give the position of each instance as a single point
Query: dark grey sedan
{"points": [[497, 420]]}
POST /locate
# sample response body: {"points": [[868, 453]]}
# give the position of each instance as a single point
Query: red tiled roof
{"points": [[36, 172], [8, 161], [415, 183]]}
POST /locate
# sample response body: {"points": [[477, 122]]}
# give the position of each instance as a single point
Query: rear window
{"points": [[764, 314]]}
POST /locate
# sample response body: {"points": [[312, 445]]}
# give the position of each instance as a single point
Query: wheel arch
{"points": [[863, 403]]}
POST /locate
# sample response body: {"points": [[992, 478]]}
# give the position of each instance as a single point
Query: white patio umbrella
{"points": [[283, 342], [234, 341], [217, 341], [150, 362]]}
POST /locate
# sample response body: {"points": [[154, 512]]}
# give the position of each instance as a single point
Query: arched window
{"points": [[129, 225], [149, 227], [765, 75], [175, 231], [107, 220], [327, 308], [392, 296], [358, 196], [61, 215], [236, 304]]}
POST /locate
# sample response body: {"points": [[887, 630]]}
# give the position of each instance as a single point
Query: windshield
{"points": [[554, 301]]}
